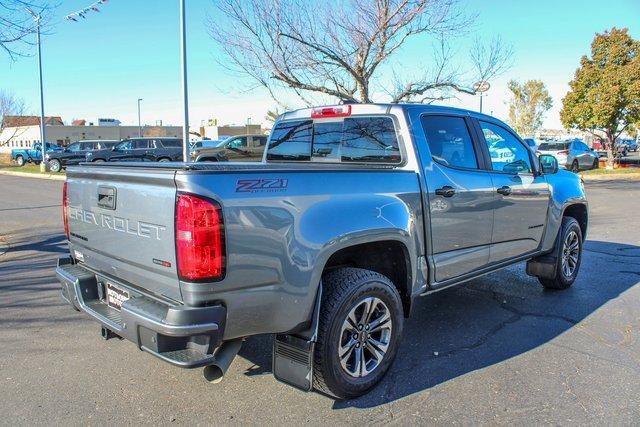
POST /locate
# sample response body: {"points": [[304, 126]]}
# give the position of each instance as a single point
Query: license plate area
{"points": [[115, 296]]}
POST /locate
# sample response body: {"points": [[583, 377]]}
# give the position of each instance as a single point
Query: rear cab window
{"points": [[356, 139]]}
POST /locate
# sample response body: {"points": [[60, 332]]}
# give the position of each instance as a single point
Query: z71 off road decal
{"points": [[263, 184]]}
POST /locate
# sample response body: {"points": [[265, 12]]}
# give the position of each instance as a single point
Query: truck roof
{"points": [[382, 108]]}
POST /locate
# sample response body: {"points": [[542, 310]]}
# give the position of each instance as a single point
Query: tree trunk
{"points": [[610, 151]]}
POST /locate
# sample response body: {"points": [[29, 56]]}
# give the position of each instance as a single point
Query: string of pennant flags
{"points": [[82, 13]]}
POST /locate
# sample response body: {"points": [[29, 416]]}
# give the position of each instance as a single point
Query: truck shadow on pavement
{"points": [[489, 320]]}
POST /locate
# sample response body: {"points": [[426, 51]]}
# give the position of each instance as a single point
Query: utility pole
{"points": [[185, 99], [43, 165], [139, 123]]}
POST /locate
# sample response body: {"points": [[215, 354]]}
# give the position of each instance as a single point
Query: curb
{"points": [[48, 176], [612, 176]]}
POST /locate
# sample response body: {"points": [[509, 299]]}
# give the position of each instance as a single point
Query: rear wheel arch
{"points": [[387, 257]]}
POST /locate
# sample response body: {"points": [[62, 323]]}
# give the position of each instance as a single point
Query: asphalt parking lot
{"points": [[499, 350]]}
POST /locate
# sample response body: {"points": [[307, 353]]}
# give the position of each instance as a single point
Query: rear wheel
{"points": [[360, 327], [596, 164], [164, 160], [575, 167], [20, 160], [54, 165], [568, 254], [98, 161]]}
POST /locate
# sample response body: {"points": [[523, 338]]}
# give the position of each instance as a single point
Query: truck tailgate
{"points": [[121, 224]]}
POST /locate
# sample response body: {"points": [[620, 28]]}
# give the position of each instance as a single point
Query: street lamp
{"points": [[36, 18], [183, 57], [139, 124]]}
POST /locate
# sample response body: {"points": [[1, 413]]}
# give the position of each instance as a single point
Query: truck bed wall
{"points": [[282, 226]]}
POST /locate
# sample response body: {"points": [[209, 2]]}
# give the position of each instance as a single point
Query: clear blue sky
{"points": [[100, 67]]}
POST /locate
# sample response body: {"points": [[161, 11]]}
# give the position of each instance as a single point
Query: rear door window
{"points": [[449, 141], [171, 142], [354, 139]]}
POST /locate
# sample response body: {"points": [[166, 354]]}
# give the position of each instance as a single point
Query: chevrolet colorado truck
{"points": [[354, 212]]}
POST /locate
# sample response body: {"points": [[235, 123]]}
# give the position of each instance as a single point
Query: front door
{"points": [[522, 195], [460, 196]]}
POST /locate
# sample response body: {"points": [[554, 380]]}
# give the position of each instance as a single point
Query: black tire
{"points": [[596, 164], [575, 167], [98, 161], [20, 161], [561, 279], [344, 290], [54, 165], [164, 159]]}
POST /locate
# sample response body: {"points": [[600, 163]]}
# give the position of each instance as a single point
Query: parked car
{"points": [[244, 148], [33, 154], [356, 211], [573, 155], [75, 153], [629, 144], [160, 149]]}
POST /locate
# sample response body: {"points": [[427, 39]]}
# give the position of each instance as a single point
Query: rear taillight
{"points": [[65, 209], [328, 112], [562, 153], [199, 238]]}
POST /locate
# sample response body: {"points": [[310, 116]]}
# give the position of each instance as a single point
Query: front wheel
{"points": [[361, 321], [20, 161], [54, 165], [596, 164], [98, 161], [568, 254]]}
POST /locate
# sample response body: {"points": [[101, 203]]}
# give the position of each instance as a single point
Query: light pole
{"points": [[43, 165], [185, 99], [139, 123]]}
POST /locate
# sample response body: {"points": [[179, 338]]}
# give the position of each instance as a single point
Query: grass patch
{"points": [[28, 168], [618, 171]]}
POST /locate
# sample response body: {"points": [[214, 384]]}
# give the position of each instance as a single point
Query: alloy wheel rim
{"points": [[570, 254], [365, 337]]}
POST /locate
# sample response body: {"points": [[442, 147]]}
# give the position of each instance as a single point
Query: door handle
{"points": [[445, 191], [504, 190]]}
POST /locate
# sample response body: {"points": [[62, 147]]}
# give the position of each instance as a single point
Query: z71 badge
{"points": [[259, 185]]}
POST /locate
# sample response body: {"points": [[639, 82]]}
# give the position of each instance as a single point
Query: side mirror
{"points": [[549, 164]]}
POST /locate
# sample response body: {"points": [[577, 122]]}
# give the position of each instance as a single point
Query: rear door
{"points": [[522, 195], [460, 195], [143, 149], [121, 224]]}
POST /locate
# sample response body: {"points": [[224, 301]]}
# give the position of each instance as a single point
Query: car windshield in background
{"points": [[553, 146], [354, 139]]}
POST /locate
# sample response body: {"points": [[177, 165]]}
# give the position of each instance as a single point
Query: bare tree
{"points": [[337, 48], [10, 105], [17, 24]]}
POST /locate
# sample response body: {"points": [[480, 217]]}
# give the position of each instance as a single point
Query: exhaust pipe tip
{"points": [[223, 358], [213, 374]]}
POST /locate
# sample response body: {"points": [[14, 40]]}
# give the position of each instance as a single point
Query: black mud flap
{"points": [[293, 361], [543, 267]]}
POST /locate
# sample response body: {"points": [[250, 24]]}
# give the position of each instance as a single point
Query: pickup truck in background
{"points": [[355, 211], [243, 148], [33, 154]]}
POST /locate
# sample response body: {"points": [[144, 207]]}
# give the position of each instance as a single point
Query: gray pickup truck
{"points": [[355, 211]]}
